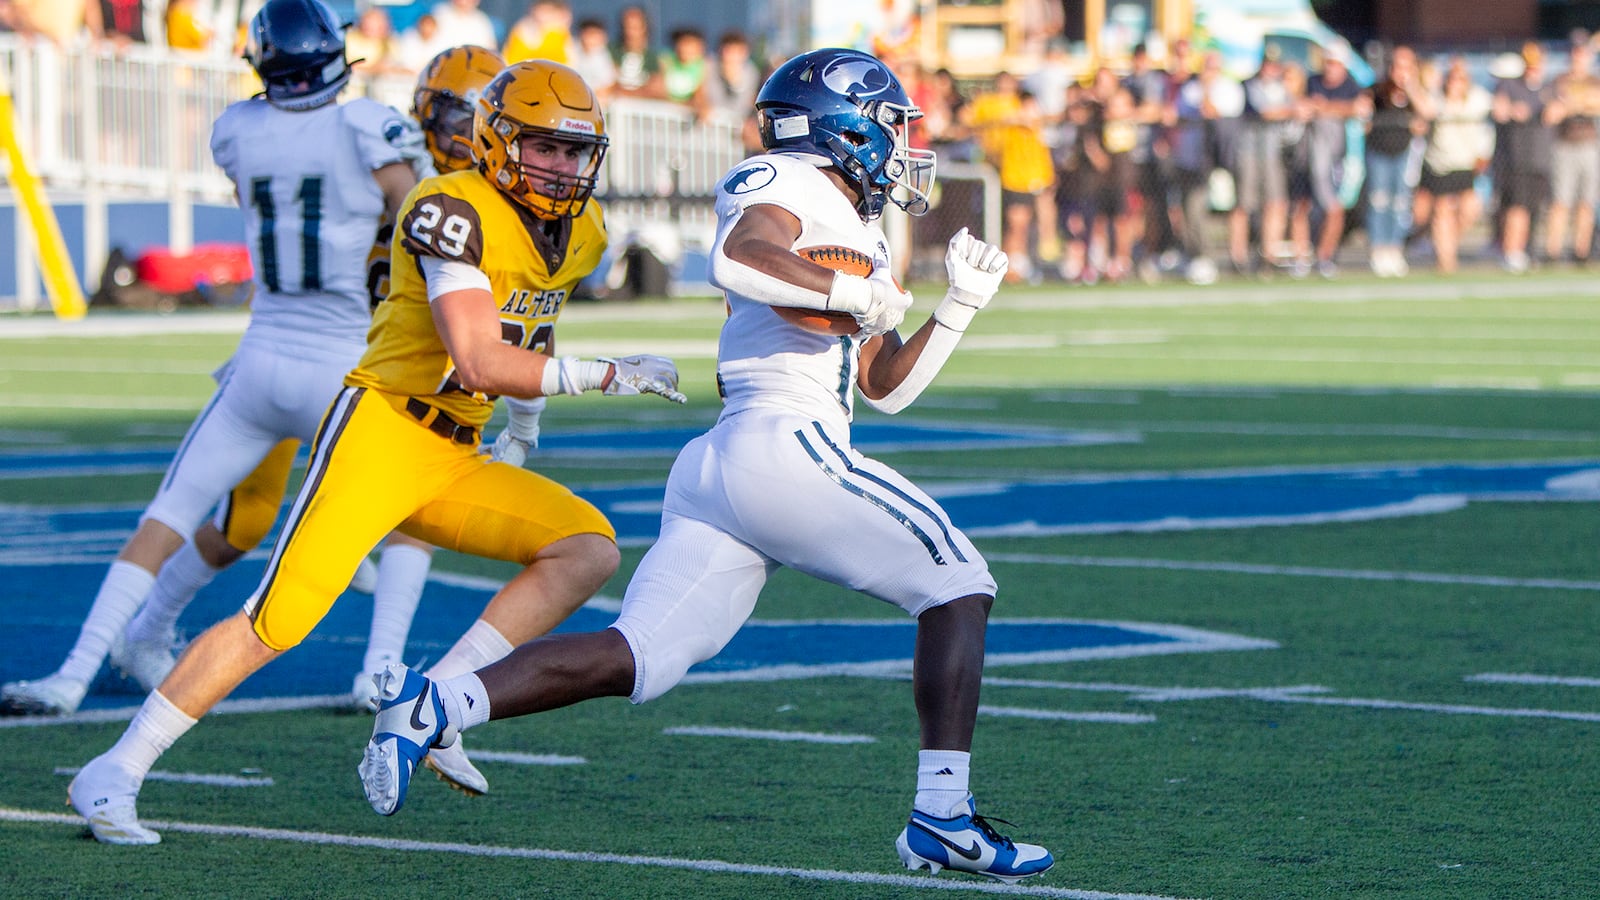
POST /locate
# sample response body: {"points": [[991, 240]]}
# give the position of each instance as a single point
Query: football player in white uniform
{"points": [[315, 178], [776, 482]]}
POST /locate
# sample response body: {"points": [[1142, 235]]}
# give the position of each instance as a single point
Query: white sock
{"points": [[466, 703], [402, 568], [481, 645], [123, 589], [183, 576], [942, 782], [154, 728]]}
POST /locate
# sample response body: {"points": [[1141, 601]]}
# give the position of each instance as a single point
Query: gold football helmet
{"points": [[443, 103], [535, 120]]}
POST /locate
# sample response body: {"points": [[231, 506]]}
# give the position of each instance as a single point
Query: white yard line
{"points": [[807, 737], [1312, 694], [590, 857], [1056, 715], [192, 778], [525, 759], [1180, 565], [1509, 678]]}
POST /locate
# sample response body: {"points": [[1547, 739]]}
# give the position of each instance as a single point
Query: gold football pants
{"points": [[374, 468]]}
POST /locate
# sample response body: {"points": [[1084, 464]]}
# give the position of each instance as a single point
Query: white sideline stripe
{"points": [[712, 866], [101, 401], [192, 778], [1297, 694], [1115, 718], [810, 737], [525, 759], [1181, 565], [1154, 694], [226, 707], [1506, 678], [1270, 429], [1446, 708]]}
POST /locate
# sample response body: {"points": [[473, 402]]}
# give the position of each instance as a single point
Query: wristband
{"points": [[952, 313], [850, 294], [571, 375]]}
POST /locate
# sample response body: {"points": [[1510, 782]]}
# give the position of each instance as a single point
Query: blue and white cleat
{"points": [[968, 843], [410, 720]]}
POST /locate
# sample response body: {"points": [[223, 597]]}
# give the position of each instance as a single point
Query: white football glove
{"points": [[887, 308], [645, 374], [976, 270]]}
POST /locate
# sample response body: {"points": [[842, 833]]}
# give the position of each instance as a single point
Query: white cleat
{"points": [[53, 695], [365, 581], [453, 768], [105, 795], [364, 692], [146, 662]]}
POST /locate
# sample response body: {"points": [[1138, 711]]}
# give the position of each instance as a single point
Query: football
{"points": [[839, 259]]}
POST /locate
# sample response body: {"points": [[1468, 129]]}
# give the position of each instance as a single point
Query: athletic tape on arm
{"points": [[941, 343]]}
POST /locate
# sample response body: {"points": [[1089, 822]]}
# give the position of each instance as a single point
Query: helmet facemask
{"points": [[539, 137], [550, 192], [443, 103], [447, 125], [908, 174], [884, 165]]}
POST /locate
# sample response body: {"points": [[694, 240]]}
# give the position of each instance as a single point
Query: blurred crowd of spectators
{"points": [[1177, 167], [718, 81], [1160, 166]]}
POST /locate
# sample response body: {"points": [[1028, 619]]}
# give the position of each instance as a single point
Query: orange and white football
{"points": [[839, 259]]}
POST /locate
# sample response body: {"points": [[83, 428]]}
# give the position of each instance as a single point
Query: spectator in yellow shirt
{"points": [[185, 29], [544, 33], [1010, 125]]}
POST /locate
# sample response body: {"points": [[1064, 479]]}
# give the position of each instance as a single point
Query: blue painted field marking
{"points": [[47, 602], [875, 437]]}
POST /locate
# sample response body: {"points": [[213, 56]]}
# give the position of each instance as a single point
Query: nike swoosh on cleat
{"points": [[972, 853], [416, 711]]}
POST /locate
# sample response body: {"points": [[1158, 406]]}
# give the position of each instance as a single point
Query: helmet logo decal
{"points": [[750, 178], [582, 126], [791, 127], [861, 77]]}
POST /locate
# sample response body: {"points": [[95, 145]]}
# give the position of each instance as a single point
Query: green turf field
{"points": [[1425, 724]]}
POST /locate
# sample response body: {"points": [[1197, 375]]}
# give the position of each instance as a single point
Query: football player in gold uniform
{"points": [[483, 261], [442, 108]]}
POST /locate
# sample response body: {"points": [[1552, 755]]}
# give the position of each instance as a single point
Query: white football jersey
{"points": [[312, 209], [762, 360]]}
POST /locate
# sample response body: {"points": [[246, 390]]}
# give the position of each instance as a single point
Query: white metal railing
{"points": [[135, 123]]}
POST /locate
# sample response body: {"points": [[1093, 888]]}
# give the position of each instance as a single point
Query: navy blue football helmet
{"points": [[297, 47], [848, 107]]}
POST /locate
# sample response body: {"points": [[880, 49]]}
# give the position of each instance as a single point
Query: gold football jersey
{"points": [[461, 217]]}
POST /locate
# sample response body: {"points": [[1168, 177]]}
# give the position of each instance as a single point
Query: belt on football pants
{"points": [[439, 422]]}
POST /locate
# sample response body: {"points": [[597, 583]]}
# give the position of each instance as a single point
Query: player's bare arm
{"points": [[396, 181], [893, 374], [469, 325], [764, 239]]}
